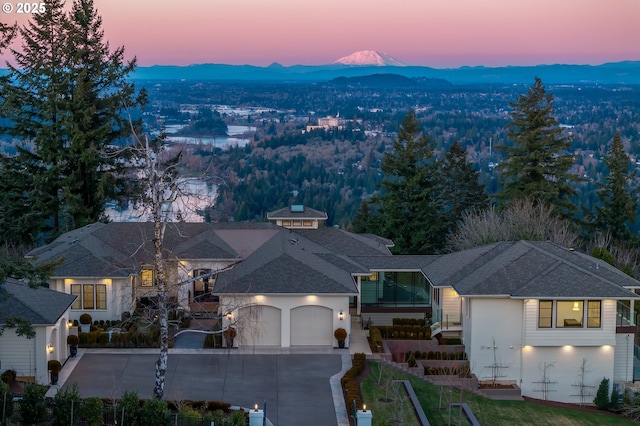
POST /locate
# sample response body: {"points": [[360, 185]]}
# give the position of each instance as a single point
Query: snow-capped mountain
{"points": [[369, 57]]}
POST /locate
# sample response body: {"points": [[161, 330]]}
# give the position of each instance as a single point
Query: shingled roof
{"points": [[289, 264], [39, 306], [118, 249], [529, 269]]}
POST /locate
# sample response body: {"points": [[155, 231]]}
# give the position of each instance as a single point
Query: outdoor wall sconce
{"points": [[229, 315], [69, 324], [341, 315], [50, 348]]}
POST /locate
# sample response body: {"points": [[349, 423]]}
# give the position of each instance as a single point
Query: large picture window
{"points": [[569, 314], [90, 296]]}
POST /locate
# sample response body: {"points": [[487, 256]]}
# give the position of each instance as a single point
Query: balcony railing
{"points": [[624, 317], [447, 321]]}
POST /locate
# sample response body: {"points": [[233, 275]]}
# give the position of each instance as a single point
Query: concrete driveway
{"points": [[295, 386]]}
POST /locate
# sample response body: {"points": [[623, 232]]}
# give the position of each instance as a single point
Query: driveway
{"points": [[295, 386]]}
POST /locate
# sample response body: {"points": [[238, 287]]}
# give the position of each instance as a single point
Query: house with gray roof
{"points": [[529, 313], [519, 307], [48, 313]]}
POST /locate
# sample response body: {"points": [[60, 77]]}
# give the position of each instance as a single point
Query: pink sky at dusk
{"points": [[436, 33]]}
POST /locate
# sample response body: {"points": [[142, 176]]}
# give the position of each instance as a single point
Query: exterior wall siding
{"points": [[534, 336], [17, 353]]}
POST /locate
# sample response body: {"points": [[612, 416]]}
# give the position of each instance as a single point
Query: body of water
{"points": [[234, 139]]}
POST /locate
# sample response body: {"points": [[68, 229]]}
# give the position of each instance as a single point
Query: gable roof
{"points": [[39, 306], [289, 264], [529, 269], [119, 249]]}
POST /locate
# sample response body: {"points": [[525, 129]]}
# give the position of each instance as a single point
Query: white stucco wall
{"points": [[563, 372], [623, 358], [495, 339], [286, 303]]}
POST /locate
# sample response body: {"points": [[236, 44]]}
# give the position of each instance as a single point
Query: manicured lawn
{"points": [[435, 400]]}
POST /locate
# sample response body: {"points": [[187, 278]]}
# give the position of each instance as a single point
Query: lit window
{"points": [[570, 313], [146, 277], [545, 314], [90, 296], [307, 223]]}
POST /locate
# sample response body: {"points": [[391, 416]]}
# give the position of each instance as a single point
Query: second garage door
{"points": [[311, 325]]}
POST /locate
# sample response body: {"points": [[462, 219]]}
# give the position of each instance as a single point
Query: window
{"points": [[146, 277], [545, 314], [593, 313], [372, 277], [307, 223], [570, 313], [90, 296]]}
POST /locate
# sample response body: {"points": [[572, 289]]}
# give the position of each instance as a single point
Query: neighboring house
{"points": [[530, 313], [48, 312]]}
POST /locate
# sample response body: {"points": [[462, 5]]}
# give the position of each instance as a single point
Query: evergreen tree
{"points": [[362, 222], [34, 95], [602, 395], [537, 164], [408, 205], [460, 191], [100, 94], [618, 194], [66, 97]]}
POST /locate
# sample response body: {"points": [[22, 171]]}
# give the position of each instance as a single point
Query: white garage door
{"points": [[260, 326], [311, 325]]}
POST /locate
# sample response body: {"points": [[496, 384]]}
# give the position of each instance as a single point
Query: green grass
{"points": [[487, 411]]}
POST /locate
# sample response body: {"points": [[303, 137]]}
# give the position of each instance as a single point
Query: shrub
{"points": [[33, 407], [73, 340], [8, 377], [376, 338], [340, 334], [349, 384], [85, 319], [54, 366], [66, 405], [412, 361], [218, 405], [602, 395], [189, 417], [92, 411], [128, 408], [6, 410], [155, 412]]}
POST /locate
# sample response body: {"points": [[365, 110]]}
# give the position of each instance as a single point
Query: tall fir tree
{"points": [[408, 205], [66, 98], [618, 194], [34, 98], [537, 164], [460, 190]]}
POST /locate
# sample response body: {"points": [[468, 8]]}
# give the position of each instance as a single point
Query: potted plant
{"points": [[85, 323], [54, 367], [72, 341], [229, 334], [341, 335]]}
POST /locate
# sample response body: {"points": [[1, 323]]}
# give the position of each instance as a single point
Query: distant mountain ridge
{"points": [[627, 72]]}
